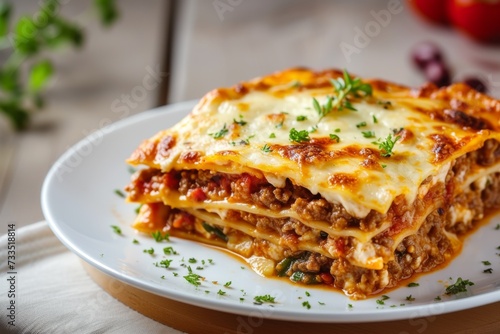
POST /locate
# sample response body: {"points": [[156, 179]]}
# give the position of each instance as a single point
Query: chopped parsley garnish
{"points": [[308, 294], [150, 251], [306, 305], [385, 104], [334, 137], [410, 298], [486, 263], [192, 277], [116, 229], [387, 145], [199, 268], [119, 193], [459, 286], [382, 299], [488, 271], [192, 260], [368, 134], [160, 237], [240, 122], [497, 227], [227, 284], [337, 130], [360, 125], [210, 261], [383, 165], [242, 299], [299, 136], [266, 148], [321, 303], [219, 134], [375, 120], [164, 263], [413, 284], [138, 209], [301, 118], [176, 274], [162, 277], [272, 135], [264, 299], [135, 241], [169, 250], [221, 293], [437, 298], [349, 306]]}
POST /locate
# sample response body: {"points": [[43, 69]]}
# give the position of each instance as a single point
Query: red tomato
{"points": [[478, 19], [432, 10]]}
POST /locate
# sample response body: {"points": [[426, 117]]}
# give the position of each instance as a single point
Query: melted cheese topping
{"points": [[248, 130]]}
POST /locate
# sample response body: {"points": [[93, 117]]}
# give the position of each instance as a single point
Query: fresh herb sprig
{"points": [[25, 44], [345, 88], [386, 146], [459, 286]]}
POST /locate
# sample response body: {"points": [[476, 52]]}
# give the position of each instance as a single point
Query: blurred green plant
{"points": [[27, 70]]}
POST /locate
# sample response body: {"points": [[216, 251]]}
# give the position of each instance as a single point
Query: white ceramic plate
{"points": [[80, 204]]}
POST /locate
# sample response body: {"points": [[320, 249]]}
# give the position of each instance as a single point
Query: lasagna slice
{"points": [[324, 178]]}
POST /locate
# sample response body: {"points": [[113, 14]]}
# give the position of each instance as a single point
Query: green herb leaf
{"points": [[265, 299], [120, 193], [272, 135], [221, 133], [361, 124], [301, 118], [135, 242], [193, 278], [5, 10], [375, 120], [266, 148], [116, 229], [387, 145], [306, 304], [368, 134], [299, 136], [486, 263], [410, 298], [107, 10], [150, 251], [221, 293], [488, 271], [169, 251], [240, 122], [39, 75], [459, 286], [159, 237], [413, 284], [334, 137]]}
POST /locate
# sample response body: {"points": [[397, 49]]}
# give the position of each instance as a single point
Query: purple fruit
{"points": [[476, 83], [437, 73], [425, 53]]}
